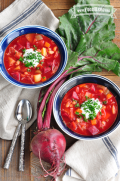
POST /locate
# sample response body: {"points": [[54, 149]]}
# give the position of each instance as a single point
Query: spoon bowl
{"points": [[24, 111]]}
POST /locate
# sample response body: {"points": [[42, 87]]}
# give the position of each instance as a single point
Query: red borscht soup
{"points": [[32, 58], [89, 109]]}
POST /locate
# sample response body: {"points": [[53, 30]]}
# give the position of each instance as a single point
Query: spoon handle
{"points": [[10, 153], [22, 157]]}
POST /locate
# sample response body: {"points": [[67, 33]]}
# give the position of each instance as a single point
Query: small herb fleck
{"points": [[35, 48], [87, 97], [21, 59], [23, 50], [104, 102], [37, 68], [85, 119], [28, 70], [77, 105], [77, 113]]}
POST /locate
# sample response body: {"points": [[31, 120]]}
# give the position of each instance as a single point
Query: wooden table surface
{"points": [[59, 7]]}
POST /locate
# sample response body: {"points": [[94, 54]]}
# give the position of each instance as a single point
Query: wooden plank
{"points": [[12, 173], [115, 3], [5, 3], [63, 4]]}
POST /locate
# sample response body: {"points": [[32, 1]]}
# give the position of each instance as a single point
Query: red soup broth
{"points": [[27, 72], [72, 109]]}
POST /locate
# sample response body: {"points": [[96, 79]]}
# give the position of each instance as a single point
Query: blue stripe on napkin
{"points": [[68, 172], [20, 18], [112, 149]]}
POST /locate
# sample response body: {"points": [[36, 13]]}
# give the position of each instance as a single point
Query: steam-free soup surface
{"points": [[89, 109], [32, 58]]}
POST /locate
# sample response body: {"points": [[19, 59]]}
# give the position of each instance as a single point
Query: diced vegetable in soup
{"points": [[89, 109], [32, 58]]}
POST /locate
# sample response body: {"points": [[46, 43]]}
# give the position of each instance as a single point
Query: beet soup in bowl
{"points": [[32, 56], [86, 107]]}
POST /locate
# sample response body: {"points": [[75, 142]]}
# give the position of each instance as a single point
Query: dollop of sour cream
{"points": [[31, 58], [90, 108]]}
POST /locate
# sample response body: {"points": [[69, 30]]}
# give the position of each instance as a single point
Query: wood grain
{"points": [[12, 174]]}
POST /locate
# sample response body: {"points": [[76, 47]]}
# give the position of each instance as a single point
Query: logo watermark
{"points": [[97, 9]]}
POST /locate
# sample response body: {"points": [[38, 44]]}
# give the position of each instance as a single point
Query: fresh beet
{"points": [[50, 144]]}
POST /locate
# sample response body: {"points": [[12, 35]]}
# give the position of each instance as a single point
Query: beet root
{"points": [[49, 145]]}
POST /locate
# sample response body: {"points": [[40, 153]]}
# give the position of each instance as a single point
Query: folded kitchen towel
{"points": [[20, 13], [97, 160]]}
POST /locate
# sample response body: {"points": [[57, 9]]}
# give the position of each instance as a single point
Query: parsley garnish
{"points": [[77, 113], [23, 50], [90, 106], [21, 59], [37, 68], [35, 48], [85, 119], [100, 113], [104, 102], [77, 105], [28, 70], [30, 58], [86, 97]]}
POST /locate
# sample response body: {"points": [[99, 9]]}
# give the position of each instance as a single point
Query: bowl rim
{"points": [[57, 117], [51, 80]]}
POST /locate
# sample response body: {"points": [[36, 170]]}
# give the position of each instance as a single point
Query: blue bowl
{"points": [[33, 29], [88, 78]]}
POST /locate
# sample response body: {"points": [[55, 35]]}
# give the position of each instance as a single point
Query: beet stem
{"points": [[46, 123], [39, 117]]}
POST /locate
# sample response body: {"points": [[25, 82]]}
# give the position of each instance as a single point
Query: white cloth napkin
{"points": [[20, 13], [97, 160]]}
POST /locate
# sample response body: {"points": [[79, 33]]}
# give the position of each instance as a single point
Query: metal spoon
{"points": [[23, 115], [26, 113]]}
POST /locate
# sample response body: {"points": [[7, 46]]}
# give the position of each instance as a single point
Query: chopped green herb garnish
{"points": [[90, 108], [100, 113], [77, 113], [35, 48], [41, 62], [23, 50], [77, 105], [74, 100], [104, 102], [83, 115], [37, 68], [91, 117], [86, 97], [21, 59], [43, 77], [85, 119], [31, 58], [28, 70]]}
